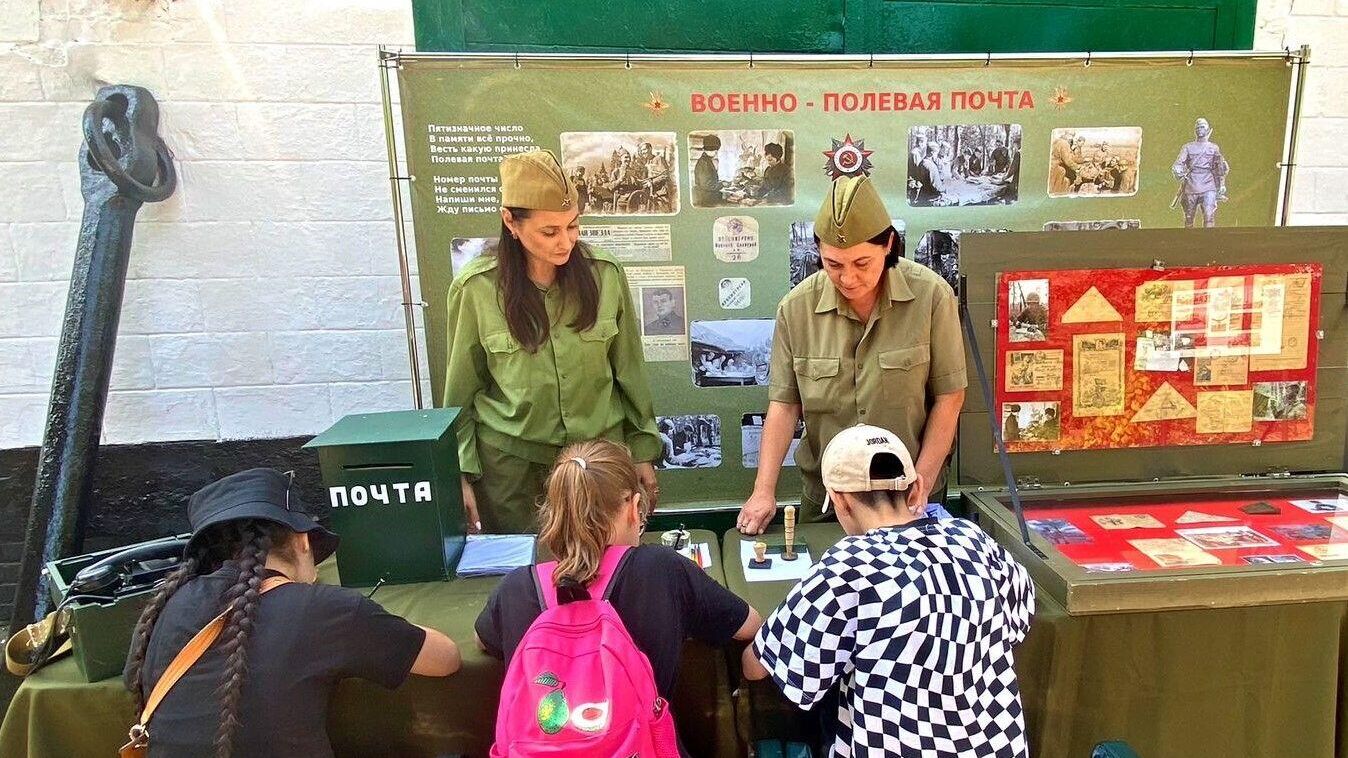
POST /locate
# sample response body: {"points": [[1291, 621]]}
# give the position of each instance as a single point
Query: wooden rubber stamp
{"points": [[789, 553], [760, 559]]}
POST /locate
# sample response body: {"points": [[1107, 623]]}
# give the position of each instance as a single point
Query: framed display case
{"points": [[1205, 476]]}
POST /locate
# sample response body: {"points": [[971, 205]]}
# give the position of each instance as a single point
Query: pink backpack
{"points": [[578, 685]]}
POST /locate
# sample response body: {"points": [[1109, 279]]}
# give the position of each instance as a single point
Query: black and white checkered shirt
{"points": [[915, 624]]}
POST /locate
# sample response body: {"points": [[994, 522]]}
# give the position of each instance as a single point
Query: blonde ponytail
{"points": [[586, 491]]}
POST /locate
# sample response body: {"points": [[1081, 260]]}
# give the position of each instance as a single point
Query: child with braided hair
{"points": [[291, 647]]}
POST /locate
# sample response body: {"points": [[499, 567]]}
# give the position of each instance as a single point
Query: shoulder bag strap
{"points": [[189, 655]]}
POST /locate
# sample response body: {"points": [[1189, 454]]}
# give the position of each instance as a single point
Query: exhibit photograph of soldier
{"points": [[1030, 422], [939, 250], [623, 173], [689, 441], [803, 251], [1201, 172], [1280, 401], [742, 168], [464, 249], [1028, 308], [1092, 226], [964, 164], [1094, 161], [731, 352], [662, 310]]}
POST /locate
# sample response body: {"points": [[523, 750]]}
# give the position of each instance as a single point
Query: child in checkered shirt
{"points": [[913, 619]]}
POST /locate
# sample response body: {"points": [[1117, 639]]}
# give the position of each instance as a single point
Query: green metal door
{"points": [[834, 26]]}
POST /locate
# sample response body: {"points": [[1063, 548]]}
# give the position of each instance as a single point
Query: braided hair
{"points": [[246, 543]]}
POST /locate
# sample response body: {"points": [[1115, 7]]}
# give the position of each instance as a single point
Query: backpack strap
{"points": [[599, 587], [184, 660]]}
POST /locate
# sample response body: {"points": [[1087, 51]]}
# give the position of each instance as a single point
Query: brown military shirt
{"points": [[884, 372]]}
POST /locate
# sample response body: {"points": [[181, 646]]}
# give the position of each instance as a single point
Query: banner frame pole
{"points": [[1301, 60], [980, 59], [390, 60]]}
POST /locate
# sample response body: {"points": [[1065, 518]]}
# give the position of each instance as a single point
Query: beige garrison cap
{"points": [[535, 180], [852, 213]]}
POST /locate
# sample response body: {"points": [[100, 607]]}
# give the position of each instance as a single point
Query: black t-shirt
{"points": [[306, 638], [662, 598]]}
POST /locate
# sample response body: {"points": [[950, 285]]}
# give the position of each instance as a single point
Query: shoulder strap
{"points": [[192, 652], [598, 587]]}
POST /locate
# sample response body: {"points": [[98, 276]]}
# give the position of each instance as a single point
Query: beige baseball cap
{"points": [[535, 180], [863, 458]]}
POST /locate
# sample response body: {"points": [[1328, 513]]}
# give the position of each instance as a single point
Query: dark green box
{"points": [[100, 631], [394, 495]]}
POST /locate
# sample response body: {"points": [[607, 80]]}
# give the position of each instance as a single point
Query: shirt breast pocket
{"points": [[818, 381], [903, 374], [507, 360], [594, 346]]}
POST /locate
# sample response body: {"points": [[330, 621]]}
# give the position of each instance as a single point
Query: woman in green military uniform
{"points": [[544, 351], [871, 339]]}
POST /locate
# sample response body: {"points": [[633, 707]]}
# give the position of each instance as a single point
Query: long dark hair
{"points": [[521, 301], [246, 543], [892, 257]]}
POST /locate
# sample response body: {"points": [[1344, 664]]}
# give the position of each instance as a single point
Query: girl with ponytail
{"points": [[594, 499], [290, 647]]}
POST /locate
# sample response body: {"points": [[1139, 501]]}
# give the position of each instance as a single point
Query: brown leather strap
{"points": [[189, 655]]}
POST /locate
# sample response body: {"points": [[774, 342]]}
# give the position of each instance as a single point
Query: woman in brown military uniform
{"points": [[871, 339], [544, 351]]}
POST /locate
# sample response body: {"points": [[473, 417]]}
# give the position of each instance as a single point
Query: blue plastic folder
{"points": [[495, 554]]}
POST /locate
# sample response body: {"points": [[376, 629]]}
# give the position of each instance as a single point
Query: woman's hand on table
{"points": [[470, 505]]}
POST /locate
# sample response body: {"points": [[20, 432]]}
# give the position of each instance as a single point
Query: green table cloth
{"points": [[1268, 681], [55, 714]]}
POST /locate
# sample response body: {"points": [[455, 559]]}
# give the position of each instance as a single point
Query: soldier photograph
{"points": [[623, 173], [971, 164], [1093, 162], [742, 168], [1201, 172]]}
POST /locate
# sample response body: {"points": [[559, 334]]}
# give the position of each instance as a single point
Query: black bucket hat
{"points": [[258, 493]]}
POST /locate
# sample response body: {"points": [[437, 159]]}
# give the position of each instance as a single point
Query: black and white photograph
{"points": [[662, 311], [1306, 532], [1028, 308], [1100, 161], [751, 439], [623, 173], [1030, 422], [963, 164], [731, 352], [1108, 568], [1225, 537], [1265, 559], [689, 441], [803, 250], [462, 250], [1323, 504], [742, 168], [1092, 226], [1280, 401], [1059, 531]]}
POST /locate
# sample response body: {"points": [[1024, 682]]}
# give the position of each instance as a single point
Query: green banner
{"points": [[703, 176]]}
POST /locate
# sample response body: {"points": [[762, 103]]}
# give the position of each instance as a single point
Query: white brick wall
{"points": [[263, 298]]}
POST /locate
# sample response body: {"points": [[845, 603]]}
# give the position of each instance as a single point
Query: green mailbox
{"points": [[392, 483]]}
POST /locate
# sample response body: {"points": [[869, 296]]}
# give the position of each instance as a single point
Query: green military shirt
{"points": [[886, 372], [577, 386]]}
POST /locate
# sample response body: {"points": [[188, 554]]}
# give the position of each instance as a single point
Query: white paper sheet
{"points": [[780, 570]]}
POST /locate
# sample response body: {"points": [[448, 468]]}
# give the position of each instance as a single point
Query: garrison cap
{"points": [[852, 213], [535, 180]]}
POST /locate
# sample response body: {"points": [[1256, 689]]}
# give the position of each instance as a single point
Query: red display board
{"points": [[1196, 533], [1113, 358]]}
